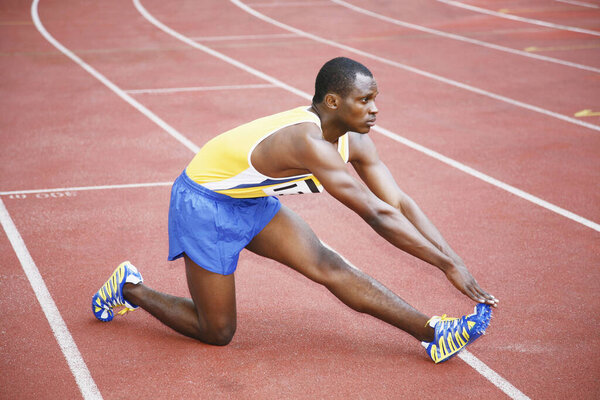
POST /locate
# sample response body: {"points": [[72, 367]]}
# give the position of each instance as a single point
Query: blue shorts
{"points": [[212, 228]]}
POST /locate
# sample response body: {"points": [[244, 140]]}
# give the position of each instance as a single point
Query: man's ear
{"points": [[332, 101]]}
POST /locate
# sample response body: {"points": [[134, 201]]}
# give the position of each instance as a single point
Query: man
{"points": [[223, 203]]}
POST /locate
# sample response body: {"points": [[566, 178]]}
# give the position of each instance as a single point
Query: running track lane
{"points": [[565, 181], [526, 20], [541, 144], [511, 50]]}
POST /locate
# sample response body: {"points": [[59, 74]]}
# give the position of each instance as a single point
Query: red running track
{"points": [[62, 128]]}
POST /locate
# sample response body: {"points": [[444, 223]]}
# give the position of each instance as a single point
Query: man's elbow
{"points": [[406, 205]]}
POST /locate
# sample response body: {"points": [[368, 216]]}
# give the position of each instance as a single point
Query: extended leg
{"points": [[210, 316], [289, 240]]}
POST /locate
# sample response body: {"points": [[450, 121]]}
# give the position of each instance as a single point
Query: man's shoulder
{"points": [[296, 115], [362, 148]]}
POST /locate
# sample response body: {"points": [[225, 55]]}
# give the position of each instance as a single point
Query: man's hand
{"points": [[462, 279]]}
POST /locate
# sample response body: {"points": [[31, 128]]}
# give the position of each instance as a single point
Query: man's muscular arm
{"points": [[322, 159], [381, 182]]}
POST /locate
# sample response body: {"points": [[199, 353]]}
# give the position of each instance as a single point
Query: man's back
{"points": [[225, 163]]}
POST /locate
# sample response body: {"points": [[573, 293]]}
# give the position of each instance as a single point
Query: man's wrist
{"points": [[447, 264]]}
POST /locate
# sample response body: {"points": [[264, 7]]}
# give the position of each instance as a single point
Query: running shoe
{"points": [[110, 294], [453, 334]]}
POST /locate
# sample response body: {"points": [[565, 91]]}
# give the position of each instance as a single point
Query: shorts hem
{"points": [[213, 270]]}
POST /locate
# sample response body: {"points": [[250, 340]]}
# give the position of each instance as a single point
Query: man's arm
{"points": [[380, 181], [322, 159], [377, 177]]}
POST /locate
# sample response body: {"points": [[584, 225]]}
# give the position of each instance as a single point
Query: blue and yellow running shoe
{"points": [[454, 334], [110, 294]]}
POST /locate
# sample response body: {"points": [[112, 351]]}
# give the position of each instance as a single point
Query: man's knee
{"points": [[220, 333], [331, 266]]}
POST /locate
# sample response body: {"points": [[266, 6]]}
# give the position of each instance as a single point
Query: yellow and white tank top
{"points": [[223, 164]]}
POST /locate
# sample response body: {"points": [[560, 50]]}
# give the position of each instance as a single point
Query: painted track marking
{"points": [[83, 188], [77, 365], [293, 4], [491, 375], [520, 19], [463, 38], [244, 37], [579, 3], [587, 113], [199, 89], [593, 45], [415, 70], [121, 93]]}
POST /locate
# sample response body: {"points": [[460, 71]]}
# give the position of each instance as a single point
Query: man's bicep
{"points": [[352, 193], [328, 167]]}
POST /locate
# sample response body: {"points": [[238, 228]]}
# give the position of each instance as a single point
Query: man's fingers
{"points": [[473, 294], [465, 282], [478, 294], [485, 296]]}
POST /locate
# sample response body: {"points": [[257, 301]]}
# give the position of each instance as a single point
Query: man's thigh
{"points": [[290, 241], [213, 295]]}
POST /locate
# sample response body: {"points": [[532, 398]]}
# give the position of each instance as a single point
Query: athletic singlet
{"points": [[223, 164]]}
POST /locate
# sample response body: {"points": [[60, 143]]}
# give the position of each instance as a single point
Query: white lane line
{"points": [[79, 369], [77, 365], [199, 89], [520, 19], [492, 376], [292, 4], [244, 37], [463, 38], [216, 54], [118, 91], [486, 178], [453, 163], [416, 70], [84, 188], [579, 3]]}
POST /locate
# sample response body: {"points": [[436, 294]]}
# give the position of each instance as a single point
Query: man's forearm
{"points": [[420, 221], [397, 229]]}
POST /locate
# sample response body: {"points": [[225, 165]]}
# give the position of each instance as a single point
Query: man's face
{"points": [[358, 110]]}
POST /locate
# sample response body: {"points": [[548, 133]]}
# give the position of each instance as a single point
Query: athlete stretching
{"points": [[223, 202]]}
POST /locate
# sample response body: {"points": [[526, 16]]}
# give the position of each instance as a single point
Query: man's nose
{"points": [[373, 109]]}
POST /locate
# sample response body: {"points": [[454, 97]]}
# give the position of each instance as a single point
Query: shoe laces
{"points": [[444, 319], [117, 303], [109, 292], [125, 310]]}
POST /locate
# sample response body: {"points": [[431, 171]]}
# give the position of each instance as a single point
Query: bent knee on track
{"points": [[218, 333], [217, 336]]}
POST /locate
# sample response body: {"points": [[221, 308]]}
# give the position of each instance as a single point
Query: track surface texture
{"points": [[103, 103]]}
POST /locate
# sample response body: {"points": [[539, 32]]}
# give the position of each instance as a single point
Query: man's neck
{"points": [[332, 131]]}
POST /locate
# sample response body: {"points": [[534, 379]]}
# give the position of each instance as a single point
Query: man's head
{"points": [[337, 76], [345, 90]]}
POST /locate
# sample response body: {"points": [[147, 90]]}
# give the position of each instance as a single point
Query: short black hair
{"points": [[338, 76]]}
